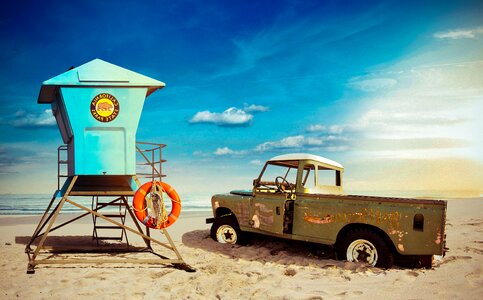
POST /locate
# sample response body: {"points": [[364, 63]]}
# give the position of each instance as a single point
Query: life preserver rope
{"points": [[149, 208]]}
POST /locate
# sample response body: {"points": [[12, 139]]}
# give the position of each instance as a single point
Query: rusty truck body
{"points": [[300, 197]]}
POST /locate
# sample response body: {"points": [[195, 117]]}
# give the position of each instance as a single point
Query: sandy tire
{"points": [[363, 245], [426, 261], [225, 230], [415, 261]]}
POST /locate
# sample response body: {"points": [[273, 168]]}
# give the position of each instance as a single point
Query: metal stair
{"points": [[107, 231]]}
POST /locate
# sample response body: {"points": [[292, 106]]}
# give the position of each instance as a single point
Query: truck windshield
{"points": [[273, 171]]}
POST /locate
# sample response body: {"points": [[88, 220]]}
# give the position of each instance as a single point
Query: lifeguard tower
{"points": [[97, 107]]}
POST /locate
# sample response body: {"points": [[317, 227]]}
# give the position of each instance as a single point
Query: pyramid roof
{"points": [[97, 73]]}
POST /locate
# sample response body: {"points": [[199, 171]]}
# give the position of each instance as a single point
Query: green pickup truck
{"points": [[300, 197]]}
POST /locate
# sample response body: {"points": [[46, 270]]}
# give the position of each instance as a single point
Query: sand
{"points": [[267, 268]]}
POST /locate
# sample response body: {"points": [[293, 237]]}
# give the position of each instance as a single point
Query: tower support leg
{"points": [[31, 265]]}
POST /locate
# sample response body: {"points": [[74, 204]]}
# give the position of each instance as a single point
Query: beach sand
{"points": [[267, 268]]}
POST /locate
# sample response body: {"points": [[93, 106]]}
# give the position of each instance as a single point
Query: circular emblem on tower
{"points": [[104, 107]]}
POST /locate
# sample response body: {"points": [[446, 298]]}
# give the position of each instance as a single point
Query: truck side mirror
{"points": [[255, 182]]}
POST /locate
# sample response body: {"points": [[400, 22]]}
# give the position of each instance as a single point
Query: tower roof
{"points": [[97, 73]]}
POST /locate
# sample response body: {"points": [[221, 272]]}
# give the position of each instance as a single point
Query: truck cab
{"points": [[300, 173]]}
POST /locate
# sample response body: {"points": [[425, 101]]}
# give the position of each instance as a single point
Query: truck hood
{"points": [[242, 192]]}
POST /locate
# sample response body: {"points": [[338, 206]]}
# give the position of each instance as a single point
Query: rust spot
{"points": [[242, 211], [265, 214], [318, 220], [256, 222], [438, 238]]}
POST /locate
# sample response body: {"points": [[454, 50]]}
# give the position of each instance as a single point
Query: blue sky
{"points": [[393, 90]]}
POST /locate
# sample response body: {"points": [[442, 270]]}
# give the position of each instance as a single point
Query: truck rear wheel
{"points": [[363, 245], [426, 261], [225, 230]]}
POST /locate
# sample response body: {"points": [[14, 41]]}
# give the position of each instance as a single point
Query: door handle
{"points": [[277, 210]]}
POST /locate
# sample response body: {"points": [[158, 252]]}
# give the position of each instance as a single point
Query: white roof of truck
{"points": [[303, 156]]}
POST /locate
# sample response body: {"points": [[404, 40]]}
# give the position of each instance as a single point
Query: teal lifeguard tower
{"points": [[97, 107]]}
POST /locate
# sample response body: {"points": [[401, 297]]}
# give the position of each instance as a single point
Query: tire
{"points": [[426, 261], [415, 261], [364, 245], [225, 230]]}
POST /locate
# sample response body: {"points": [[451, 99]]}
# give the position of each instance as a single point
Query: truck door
{"points": [[272, 187], [267, 212]]}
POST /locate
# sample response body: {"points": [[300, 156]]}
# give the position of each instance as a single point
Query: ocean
{"points": [[36, 204]]}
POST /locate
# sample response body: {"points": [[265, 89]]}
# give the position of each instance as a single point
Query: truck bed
{"points": [[380, 199]]}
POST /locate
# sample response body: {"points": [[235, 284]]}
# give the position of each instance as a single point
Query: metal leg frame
{"points": [[42, 222], [179, 262], [37, 233]]}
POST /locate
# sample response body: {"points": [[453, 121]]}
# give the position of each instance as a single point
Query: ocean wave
{"points": [[37, 204]]}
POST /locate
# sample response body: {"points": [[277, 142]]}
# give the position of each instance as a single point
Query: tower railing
{"points": [[152, 156], [148, 163], [62, 165]]}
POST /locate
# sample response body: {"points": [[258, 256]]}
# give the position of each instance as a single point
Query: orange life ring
{"points": [[141, 212]]}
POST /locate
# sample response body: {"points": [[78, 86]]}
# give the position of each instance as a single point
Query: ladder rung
{"points": [[153, 163], [107, 238], [150, 174], [63, 175], [63, 161], [150, 144], [115, 215], [150, 150], [110, 204], [108, 227]]}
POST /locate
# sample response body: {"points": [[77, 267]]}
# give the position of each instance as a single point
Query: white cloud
{"points": [[289, 142], [256, 162], [316, 128], [27, 157], [24, 119], [336, 129], [394, 119], [435, 112], [333, 129], [372, 84], [298, 141], [230, 117], [228, 151], [200, 154], [223, 151], [337, 148], [253, 108], [455, 34]]}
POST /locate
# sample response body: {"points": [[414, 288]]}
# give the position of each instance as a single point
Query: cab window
{"points": [[308, 177], [326, 176]]}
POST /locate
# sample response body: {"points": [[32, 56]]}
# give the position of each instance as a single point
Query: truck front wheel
{"points": [[363, 245], [225, 230]]}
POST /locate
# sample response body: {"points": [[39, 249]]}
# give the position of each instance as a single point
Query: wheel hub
{"points": [[362, 251], [226, 234]]}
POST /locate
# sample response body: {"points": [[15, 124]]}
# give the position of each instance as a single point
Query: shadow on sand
{"points": [[78, 244], [265, 249]]}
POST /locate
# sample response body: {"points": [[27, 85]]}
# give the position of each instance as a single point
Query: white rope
{"points": [[155, 204]]}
